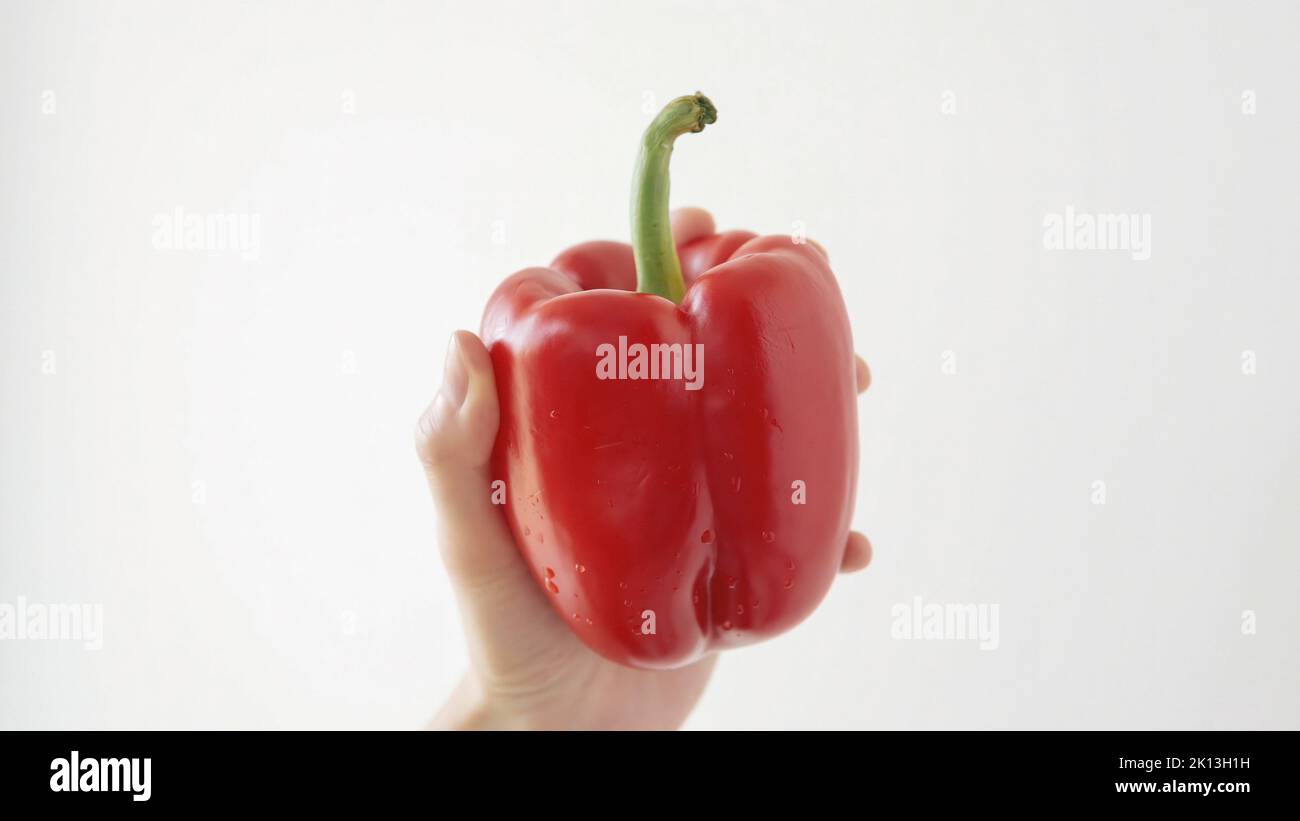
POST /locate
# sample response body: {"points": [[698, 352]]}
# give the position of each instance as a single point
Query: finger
{"points": [[821, 248], [857, 553], [691, 224], [863, 374]]}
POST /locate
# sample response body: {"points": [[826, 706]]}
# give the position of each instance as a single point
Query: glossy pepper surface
{"points": [[665, 519]]}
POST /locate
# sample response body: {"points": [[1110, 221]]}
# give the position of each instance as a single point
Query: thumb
{"points": [[454, 441], [504, 615]]}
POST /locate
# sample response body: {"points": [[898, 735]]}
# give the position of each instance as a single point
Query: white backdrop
{"points": [[215, 445]]}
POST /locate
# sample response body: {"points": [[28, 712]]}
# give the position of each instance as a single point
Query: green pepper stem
{"points": [[658, 270]]}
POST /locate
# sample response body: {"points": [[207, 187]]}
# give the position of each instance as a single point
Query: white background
{"points": [[303, 588]]}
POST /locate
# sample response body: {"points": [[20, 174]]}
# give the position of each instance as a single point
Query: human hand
{"points": [[527, 668]]}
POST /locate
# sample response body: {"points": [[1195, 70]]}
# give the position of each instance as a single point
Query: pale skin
{"points": [[527, 669]]}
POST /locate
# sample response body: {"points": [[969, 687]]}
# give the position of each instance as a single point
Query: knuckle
{"points": [[426, 437]]}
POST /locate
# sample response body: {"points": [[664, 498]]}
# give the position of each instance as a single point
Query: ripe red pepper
{"points": [[666, 519]]}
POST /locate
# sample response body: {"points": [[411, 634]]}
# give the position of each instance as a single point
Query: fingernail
{"points": [[455, 379]]}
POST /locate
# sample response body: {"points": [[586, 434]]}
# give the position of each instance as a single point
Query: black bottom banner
{"points": [[136, 771]]}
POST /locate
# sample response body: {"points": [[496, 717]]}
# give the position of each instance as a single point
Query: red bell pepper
{"points": [[664, 518]]}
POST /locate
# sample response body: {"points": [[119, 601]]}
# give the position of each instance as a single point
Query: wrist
{"points": [[469, 708]]}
